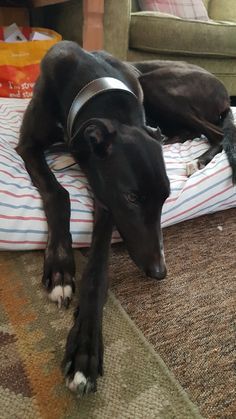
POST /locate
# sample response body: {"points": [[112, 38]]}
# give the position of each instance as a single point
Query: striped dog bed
{"points": [[22, 220]]}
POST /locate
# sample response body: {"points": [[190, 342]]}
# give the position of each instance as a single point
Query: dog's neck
{"points": [[92, 90]]}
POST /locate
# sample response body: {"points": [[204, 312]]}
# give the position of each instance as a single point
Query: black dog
{"points": [[97, 101], [185, 101], [124, 164]]}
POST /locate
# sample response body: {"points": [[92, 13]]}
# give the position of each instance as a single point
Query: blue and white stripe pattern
{"points": [[22, 220]]}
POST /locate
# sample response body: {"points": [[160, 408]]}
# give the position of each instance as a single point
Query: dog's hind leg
{"points": [[38, 129], [83, 360], [220, 137], [194, 165], [229, 140], [213, 133]]}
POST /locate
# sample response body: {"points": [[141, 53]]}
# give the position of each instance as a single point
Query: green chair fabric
{"points": [[154, 33]]}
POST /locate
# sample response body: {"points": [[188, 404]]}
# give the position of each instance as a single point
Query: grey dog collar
{"points": [[92, 89]]}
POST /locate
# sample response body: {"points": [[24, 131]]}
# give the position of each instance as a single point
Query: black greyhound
{"points": [[93, 102], [185, 101], [124, 164]]}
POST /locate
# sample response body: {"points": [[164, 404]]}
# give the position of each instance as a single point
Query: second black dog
{"points": [[186, 101]]}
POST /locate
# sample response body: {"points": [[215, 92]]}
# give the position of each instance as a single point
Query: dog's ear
{"points": [[98, 134], [154, 133]]}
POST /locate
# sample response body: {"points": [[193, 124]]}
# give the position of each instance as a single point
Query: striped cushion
{"points": [[186, 9], [22, 220]]}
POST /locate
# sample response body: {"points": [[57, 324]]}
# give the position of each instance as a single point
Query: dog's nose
{"points": [[156, 272]]}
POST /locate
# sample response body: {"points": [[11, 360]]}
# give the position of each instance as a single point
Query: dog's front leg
{"points": [[83, 361], [59, 266]]}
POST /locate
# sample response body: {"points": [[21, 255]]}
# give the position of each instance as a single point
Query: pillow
{"points": [[23, 224], [186, 9]]}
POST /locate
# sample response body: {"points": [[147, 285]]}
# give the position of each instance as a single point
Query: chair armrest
{"points": [[117, 16], [222, 10]]}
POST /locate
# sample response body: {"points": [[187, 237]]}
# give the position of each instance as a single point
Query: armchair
{"points": [[134, 35]]}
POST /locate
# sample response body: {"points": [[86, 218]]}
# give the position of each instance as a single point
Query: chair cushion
{"points": [[22, 220], [166, 34], [187, 9], [222, 10]]}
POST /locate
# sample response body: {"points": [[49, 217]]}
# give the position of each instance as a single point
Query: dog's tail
{"points": [[229, 139]]}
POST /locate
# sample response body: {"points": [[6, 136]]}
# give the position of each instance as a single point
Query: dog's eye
{"points": [[132, 197], [135, 198]]}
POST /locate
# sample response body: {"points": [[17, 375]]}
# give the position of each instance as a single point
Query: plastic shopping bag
{"points": [[19, 62]]}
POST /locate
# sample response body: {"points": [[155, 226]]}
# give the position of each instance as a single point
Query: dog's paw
{"points": [[62, 293], [192, 167], [58, 277], [83, 360], [81, 385]]}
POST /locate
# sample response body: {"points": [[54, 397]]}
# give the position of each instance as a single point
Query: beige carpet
{"points": [[189, 317], [136, 384]]}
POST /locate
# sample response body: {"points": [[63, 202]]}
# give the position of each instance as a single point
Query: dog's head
{"points": [[126, 170]]}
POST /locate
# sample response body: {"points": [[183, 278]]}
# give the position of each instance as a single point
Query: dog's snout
{"points": [[157, 269], [156, 272]]}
